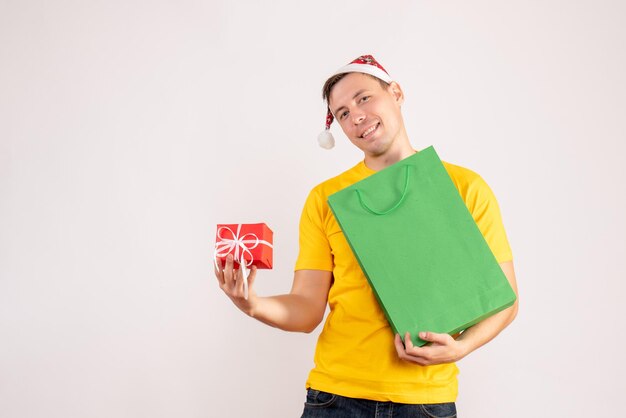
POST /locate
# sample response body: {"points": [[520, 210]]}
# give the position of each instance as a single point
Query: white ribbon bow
{"points": [[241, 246]]}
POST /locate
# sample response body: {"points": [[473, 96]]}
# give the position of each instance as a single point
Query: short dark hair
{"points": [[330, 83]]}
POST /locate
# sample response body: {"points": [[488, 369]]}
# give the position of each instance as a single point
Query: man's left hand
{"points": [[443, 349]]}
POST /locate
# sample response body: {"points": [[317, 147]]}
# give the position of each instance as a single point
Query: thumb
{"points": [[433, 337]]}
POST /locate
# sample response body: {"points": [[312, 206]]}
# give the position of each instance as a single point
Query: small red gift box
{"points": [[251, 243]]}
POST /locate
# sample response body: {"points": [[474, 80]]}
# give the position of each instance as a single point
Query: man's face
{"points": [[368, 113]]}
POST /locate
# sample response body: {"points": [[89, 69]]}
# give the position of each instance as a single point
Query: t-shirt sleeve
{"points": [[315, 251], [485, 210]]}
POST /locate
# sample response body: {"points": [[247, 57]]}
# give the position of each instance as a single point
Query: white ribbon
{"points": [[241, 246]]}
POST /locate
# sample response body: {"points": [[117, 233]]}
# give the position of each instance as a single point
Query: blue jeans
{"points": [[323, 404]]}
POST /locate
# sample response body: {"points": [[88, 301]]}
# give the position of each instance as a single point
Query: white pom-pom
{"points": [[326, 139]]}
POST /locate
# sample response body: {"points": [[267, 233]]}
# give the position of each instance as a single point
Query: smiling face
{"points": [[370, 116]]}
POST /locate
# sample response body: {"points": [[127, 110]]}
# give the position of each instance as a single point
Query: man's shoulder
{"points": [[471, 185], [340, 181], [462, 177]]}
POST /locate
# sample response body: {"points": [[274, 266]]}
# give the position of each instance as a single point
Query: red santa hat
{"points": [[365, 64]]}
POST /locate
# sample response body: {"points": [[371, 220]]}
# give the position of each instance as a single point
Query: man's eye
{"points": [[343, 114], [365, 98]]}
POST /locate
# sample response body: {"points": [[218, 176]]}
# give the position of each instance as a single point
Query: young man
{"points": [[361, 368]]}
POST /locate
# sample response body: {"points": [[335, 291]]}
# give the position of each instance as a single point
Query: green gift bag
{"points": [[418, 245]]}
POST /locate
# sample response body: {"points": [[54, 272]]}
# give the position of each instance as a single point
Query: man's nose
{"points": [[357, 118]]}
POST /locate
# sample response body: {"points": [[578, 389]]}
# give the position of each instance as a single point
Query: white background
{"points": [[129, 129]]}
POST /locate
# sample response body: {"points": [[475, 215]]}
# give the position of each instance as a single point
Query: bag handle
{"points": [[394, 207]]}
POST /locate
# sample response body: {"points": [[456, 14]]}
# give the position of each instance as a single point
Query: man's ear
{"points": [[396, 91]]}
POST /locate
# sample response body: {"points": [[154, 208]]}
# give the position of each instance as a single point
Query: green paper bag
{"points": [[418, 245]]}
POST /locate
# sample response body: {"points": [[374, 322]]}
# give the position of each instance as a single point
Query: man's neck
{"points": [[378, 162]]}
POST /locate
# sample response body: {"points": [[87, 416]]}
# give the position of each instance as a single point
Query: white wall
{"points": [[129, 129]]}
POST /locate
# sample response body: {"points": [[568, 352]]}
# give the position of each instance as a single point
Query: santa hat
{"points": [[365, 64]]}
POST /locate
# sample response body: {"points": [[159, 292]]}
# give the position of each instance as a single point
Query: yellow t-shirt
{"points": [[355, 354]]}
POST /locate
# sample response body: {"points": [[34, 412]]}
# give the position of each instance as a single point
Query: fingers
{"points": [[408, 343], [444, 349], [228, 272], [411, 353], [414, 353], [227, 276], [235, 277], [231, 279], [219, 272], [405, 351], [399, 347]]}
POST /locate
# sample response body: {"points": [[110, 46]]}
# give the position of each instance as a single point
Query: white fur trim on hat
{"points": [[366, 69]]}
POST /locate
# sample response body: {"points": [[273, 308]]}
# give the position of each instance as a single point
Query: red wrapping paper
{"points": [[251, 242]]}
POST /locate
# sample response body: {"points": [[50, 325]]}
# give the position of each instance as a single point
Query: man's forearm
{"points": [[302, 309], [486, 330], [290, 312]]}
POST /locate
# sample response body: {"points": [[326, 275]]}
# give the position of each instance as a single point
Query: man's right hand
{"points": [[300, 310], [231, 283]]}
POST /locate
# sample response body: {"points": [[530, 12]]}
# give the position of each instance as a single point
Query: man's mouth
{"points": [[370, 131]]}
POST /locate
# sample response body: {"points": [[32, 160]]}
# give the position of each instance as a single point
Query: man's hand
{"points": [[231, 282], [301, 310], [444, 349]]}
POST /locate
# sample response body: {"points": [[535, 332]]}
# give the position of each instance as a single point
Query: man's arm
{"points": [[445, 349], [300, 310]]}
